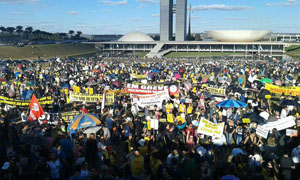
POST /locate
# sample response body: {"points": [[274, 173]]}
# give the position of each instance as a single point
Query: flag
{"points": [[188, 86], [201, 102], [36, 109], [103, 102]]}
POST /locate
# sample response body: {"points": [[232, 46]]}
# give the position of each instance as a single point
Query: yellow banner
{"points": [[136, 76], [294, 91], [19, 102], [89, 98], [216, 91]]}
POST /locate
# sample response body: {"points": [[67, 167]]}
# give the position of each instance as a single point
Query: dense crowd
{"points": [[126, 147]]}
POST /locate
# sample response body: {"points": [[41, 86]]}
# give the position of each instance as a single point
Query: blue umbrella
{"points": [[232, 103], [84, 121], [156, 71], [65, 86], [27, 95]]}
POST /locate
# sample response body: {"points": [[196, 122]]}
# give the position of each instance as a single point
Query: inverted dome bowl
{"points": [[238, 35]]}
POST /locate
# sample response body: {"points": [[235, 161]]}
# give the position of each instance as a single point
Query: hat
{"points": [[195, 123], [5, 166], [141, 142]]}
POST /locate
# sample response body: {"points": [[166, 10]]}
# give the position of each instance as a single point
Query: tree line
{"points": [[28, 33]]}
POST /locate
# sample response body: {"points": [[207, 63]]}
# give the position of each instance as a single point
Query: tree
{"points": [[198, 37], [79, 33], [3, 29], [10, 30], [71, 32], [19, 29], [28, 30]]}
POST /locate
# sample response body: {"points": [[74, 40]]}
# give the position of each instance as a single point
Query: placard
{"points": [[210, 129], [292, 132], [246, 120], [260, 131], [268, 96]]}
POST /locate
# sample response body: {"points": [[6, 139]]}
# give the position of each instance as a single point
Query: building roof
{"points": [[238, 35], [135, 37]]}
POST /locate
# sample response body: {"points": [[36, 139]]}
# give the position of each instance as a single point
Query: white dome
{"points": [[238, 35], [135, 36]]}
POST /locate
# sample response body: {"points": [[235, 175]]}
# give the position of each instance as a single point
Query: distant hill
{"points": [[45, 51]]}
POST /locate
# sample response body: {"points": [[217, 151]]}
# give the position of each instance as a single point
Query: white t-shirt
{"points": [[283, 114]]}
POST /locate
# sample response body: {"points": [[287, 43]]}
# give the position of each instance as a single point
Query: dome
{"points": [[238, 35], [135, 36]]}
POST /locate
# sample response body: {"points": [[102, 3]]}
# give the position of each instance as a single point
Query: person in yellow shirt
{"points": [[182, 107], [190, 113], [169, 107], [91, 91]]}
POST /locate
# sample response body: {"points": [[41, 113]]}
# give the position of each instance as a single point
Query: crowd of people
{"points": [[126, 147]]}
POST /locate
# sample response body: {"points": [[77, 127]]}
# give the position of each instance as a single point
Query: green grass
{"points": [[293, 50], [196, 54], [141, 54], [45, 51]]}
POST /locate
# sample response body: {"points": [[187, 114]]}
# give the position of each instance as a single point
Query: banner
{"points": [[210, 129], [136, 76], [150, 99], [292, 132], [135, 88], [295, 91], [262, 132], [19, 102], [216, 91], [90, 98], [281, 124]]}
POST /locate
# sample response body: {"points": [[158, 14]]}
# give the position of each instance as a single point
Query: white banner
{"points": [[210, 129], [262, 131], [150, 99], [281, 124]]}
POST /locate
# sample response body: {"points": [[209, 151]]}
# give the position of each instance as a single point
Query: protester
{"points": [[180, 119]]}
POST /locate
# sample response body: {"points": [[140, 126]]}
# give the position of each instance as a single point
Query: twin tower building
{"points": [[166, 20]]}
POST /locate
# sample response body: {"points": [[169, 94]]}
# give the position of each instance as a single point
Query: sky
{"points": [[123, 16]]}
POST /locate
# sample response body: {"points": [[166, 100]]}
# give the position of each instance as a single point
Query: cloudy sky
{"points": [[122, 16]]}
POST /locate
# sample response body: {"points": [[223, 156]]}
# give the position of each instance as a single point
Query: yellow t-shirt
{"points": [[170, 118], [190, 109]]}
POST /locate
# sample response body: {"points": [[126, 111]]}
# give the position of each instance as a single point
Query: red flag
{"points": [[36, 109], [201, 102]]}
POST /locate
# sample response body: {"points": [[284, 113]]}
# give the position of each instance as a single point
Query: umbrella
{"points": [[266, 80], [254, 118], [17, 74], [27, 95], [232, 103], [117, 84], [91, 83], [150, 75], [84, 121], [38, 140], [288, 78], [177, 76], [156, 71], [65, 86], [289, 102]]}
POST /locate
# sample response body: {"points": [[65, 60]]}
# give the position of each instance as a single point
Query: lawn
{"points": [[199, 54], [141, 54], [45, 51], [293, 50]]}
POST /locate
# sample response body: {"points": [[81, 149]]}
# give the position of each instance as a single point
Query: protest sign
{"points": [[246, 120], [136, 88], [210, 129], [90, 98], [154, 124], [19, 102], [216, 91], [268, 96], [294, 91], [143, 100], [292, 132], [136, 76], [281, 124], [262, 132]]}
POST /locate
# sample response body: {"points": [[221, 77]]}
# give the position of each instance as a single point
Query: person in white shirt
{"points": [[284, 112]]}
